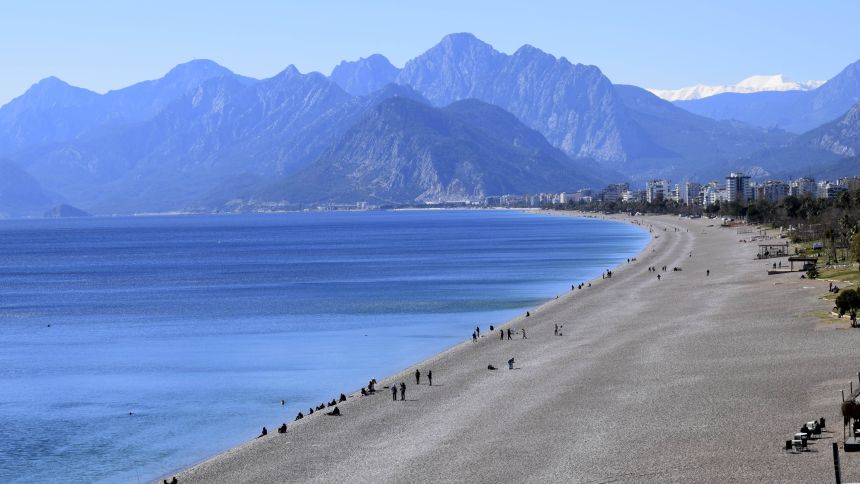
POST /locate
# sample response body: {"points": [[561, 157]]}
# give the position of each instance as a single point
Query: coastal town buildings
{"points": [[738, 188]]}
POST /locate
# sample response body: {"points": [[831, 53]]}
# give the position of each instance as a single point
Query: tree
{"points": [[855, 248], [847, 228], [847, 300]]}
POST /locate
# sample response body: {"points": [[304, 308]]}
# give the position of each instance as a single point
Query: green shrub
{"points": [[847, 300]]}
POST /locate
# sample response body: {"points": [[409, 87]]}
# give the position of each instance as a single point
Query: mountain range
{"points": [[793, 111], [404, 149], [751, 84], [458, 122]]}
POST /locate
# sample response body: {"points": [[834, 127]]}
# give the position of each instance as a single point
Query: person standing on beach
{"points": [[417, 377], [658, 277], [430, 377], [478, 330], [474, 337], [501, 334], [556, 329], [708, 273], [509, 333], [402, 391], [394, 392], [524, 333]]}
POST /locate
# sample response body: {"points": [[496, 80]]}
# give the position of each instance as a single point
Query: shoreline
{"points": [[707, 367], [407, 371]]}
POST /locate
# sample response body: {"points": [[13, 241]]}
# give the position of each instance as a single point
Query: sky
{"points": [[103, 45]]}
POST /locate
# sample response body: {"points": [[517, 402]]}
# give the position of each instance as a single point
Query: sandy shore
{"points": [[686, 379]]}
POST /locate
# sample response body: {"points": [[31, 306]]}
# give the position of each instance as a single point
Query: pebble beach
{"points": [[689, 378]]}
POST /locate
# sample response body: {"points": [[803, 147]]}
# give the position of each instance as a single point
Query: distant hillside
{"points": [[573, 105], [222, 130], [365, 75], [65, 211], [406, 151], [794, 111], [687, 146], [52, 111], [830, 150], [840, 137], [20, 193], [751, 84]]}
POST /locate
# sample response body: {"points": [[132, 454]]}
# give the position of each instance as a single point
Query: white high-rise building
{"points": [[690, 192], [828, 189], [712, 194], [802, 187], [772, 191], [738, 188], [656, 189]]}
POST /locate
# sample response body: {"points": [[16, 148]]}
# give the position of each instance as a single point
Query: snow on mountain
{"points": [[776, 82]]}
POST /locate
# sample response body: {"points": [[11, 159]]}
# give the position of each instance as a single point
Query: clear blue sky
{"points": [[103, 45]]}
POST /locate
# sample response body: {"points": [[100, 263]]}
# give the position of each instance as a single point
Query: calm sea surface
{"points": [[200, 325]]}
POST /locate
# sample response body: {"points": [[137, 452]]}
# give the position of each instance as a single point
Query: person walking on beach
{"points": [[658, 277], [511, 364], [394, 392], [509, 333], [524, 333], [402, 391], [474, 337], [430, 377], [478, 330], [417, 377], [501, 334], [556, 329]]}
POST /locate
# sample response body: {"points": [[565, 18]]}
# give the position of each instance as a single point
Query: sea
{"points": [[132, 347]]}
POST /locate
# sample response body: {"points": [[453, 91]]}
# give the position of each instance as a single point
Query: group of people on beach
{"points": [[511, 332], [417, 382], [365, 391], [370, 389]]}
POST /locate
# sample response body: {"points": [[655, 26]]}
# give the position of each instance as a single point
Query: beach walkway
{"points": [[692, 378]]}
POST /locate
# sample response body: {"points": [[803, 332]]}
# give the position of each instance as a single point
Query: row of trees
{"points": [[836, 221]]}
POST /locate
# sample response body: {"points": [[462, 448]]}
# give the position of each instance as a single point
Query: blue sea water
{"points": [[200, 325]]}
